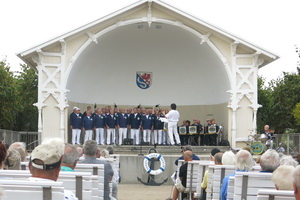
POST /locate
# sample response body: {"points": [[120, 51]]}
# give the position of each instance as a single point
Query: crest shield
{"points": [[143, 79]]}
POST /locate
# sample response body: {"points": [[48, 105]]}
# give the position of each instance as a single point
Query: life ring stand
{"points": [[161, 160]]}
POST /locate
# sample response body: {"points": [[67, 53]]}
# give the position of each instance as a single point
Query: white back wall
{"points": [[184, 71]]}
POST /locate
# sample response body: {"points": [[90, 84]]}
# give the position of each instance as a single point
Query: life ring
{"points": [[161, 160]]}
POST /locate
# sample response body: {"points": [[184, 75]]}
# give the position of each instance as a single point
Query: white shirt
{"points": [[173, 116]]}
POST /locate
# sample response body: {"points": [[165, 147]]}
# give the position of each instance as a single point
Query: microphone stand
{"points": [[141, 146]]}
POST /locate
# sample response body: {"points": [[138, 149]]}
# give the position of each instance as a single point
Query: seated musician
{"points": [[195, 138], [213, 137], [268, 132], [206, 136], [184, 138]]}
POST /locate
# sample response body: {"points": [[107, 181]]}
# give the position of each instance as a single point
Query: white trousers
{"points": [[88, 135], [111, 134], [122, 135], [100, 139], [76, 136], [146, 135], [135, 133], [172, 129], [158, 136]]}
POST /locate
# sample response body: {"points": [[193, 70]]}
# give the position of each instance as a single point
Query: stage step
{"points": [[165, 150]]}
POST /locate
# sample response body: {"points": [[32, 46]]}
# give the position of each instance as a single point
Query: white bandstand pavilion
{"points": [[206, 71]]}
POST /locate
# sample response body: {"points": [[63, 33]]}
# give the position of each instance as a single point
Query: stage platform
{"points": [[164, 150]]}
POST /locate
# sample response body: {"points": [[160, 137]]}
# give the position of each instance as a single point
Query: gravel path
{"points": [[142, 192]]}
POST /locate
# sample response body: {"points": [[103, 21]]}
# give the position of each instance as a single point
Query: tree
{"points": [[27, 86], [8, 97], [266, 100], [285, 94], [296, 113]]}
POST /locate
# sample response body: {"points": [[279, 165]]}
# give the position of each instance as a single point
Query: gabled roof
{"points": [[23, 54]]}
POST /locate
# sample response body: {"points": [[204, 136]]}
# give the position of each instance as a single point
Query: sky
{"points": [[270, 24]]}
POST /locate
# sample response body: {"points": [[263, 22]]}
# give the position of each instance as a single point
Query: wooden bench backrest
{"points": [[275, 195], [33, 190]]}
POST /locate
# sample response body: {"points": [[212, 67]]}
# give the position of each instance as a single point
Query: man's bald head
{"points": [[188, 155]]}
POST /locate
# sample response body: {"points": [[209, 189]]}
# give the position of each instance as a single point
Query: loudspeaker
{"points": [[128, 141], [145, 143]]}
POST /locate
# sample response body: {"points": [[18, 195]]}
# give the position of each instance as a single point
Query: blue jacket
{"points": [[135, 121], [147, 123], [122, 120], [76, 121], [158, 125], [111, 122], [224, 187], [88, 123], [99, 121]]}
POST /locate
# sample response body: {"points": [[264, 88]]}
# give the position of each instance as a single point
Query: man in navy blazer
{"points": [[76, 125], [99, 124], [88, 125], [147, 125], [135, 125], [122, 125], [111, 124]]}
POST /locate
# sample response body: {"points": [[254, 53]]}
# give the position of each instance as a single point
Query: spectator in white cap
{"points": [[45, 162]]}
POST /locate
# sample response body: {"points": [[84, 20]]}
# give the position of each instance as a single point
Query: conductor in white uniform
{"points": [[173, 118]]}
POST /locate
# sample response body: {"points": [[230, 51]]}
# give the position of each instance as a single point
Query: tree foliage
{"points": [[296, 113], [8, 97], [282, 96], [17, 95]]}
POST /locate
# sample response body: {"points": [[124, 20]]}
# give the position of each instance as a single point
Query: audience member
{"points": [[3, 153], [13, 160], [110, 150], [21, 148], [184, 149], [228, 158], [216, 157], [269, 161], [296, 183], [181, 185], [104, 154], [45, 162], [90, 149], [283, 177], [243, 161], [288, 160], [70, 158]]}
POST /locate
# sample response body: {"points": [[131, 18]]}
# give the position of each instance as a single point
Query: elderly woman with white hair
{"points": [[243, 162], [228, 158], [269, 161], [282, 177], [288, 160]]}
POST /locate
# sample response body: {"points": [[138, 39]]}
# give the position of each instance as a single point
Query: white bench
{"points": [[192, 177], [247, 184], [275, 195], [79, 183], [33, 190], [203, 166], [220, 171], [97, 170], [230, 190], [209, 189]]}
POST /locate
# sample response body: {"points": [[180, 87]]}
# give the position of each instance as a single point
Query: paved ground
{"points": [[142, 192]]}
